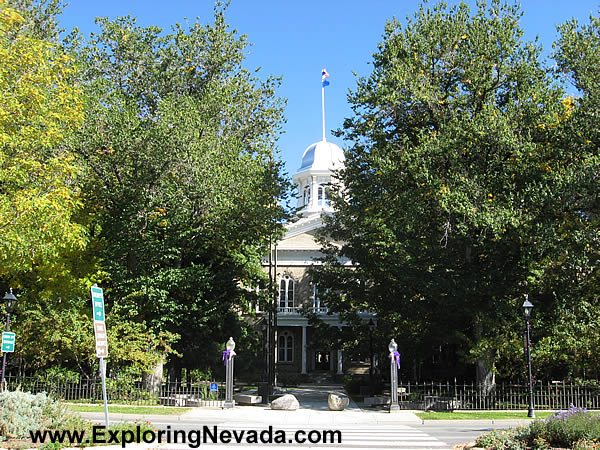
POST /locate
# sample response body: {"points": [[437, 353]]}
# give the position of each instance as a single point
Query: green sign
{"points": [[98, 303], [8, 341]]}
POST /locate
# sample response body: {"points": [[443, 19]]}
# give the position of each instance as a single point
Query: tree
{"points": [[39, 106], [457, 189], [179, 150], [568, 344], [60, 334]]}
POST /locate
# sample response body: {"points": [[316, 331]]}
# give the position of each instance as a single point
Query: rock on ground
{"points": [[287, 402], [337, 402]]}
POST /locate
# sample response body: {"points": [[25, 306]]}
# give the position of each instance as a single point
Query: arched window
{"points": [[285, 347], [286, 292], [306, 195], [321, 196]]}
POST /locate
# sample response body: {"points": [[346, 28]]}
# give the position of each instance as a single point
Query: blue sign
{"points": [[214, 387]]}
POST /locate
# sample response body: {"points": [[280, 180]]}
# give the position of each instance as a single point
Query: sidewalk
{"points": [[313, 411]]}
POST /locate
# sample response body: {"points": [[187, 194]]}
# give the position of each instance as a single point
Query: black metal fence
{"points": [[123, 391], [424, 396], [503, 396]]}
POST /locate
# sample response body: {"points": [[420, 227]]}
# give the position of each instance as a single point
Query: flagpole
{"points": [[323, 107]]}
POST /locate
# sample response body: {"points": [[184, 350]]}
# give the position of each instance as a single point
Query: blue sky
{"points": [[295, 39]]}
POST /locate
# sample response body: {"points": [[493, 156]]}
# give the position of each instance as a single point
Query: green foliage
{"points": [[57, 374], [575, 428], [147, 164], [586, 444], [21, 412], [180, 170], [462, 191], [565, 428], [61, 334], [500, 439], [201, 375]]}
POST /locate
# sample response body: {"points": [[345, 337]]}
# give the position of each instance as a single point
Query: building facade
{"points": [[297, 351]]}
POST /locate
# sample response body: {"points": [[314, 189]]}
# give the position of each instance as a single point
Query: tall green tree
{"points": [[568, 344], [179, 149], [456, 189], [44, 216]]}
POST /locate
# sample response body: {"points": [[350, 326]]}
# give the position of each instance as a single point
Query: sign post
{"points": [[101, 340]]}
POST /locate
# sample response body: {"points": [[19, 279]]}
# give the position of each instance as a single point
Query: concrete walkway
{"points": [[312, 414], [313, 411]]}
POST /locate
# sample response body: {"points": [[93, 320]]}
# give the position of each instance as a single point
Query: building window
{"points": [[286, 292], [317, 302], [322, 198], [306, 195], [285, 347]]}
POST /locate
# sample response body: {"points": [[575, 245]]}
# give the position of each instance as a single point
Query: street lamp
{"points": [[228, 356], [371, 326], [527, 307], [10, 301], [394, 364]]}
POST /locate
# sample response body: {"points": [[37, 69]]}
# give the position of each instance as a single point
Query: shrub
{"points": [[565, 428], [501, 439], [201, 375], [57, 375], [585, 444], [21, 412], [574, 428]]}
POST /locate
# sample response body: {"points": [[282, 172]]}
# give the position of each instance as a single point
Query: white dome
{"points": [[322, 155]]}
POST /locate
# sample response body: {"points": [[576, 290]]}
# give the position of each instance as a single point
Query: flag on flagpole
{"points": [[324, 76]]}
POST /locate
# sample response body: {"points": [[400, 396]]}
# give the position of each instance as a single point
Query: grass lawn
{"points": [[144, 410], [480, 415]]}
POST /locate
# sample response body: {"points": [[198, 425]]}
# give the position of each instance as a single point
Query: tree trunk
{"points": [[486, 377], [153, 379], [484, 367]]}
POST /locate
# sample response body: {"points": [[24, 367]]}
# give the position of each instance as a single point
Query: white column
{"points": [[313, 197], [340, 369], [304, 349]]}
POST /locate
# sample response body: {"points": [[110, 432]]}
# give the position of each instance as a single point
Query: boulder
{"points": [[287, 402], [337, 402]]}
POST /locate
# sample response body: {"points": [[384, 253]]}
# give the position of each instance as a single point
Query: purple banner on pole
{"points": [[226, 355], [396, 356]]}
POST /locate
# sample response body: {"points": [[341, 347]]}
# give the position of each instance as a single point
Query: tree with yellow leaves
{"points": [[39, 105]]}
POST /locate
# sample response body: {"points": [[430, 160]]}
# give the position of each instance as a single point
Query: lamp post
{"points": [[228, 356], [527, 307], [371, 326], [394, 363], [10, 301]]}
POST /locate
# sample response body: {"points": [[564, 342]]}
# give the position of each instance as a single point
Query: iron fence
{"points": [[502, 396], [424, 396], [123, 391]]}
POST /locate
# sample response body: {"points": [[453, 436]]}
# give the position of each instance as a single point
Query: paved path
{"points": [[358, 428], [353, 437]]}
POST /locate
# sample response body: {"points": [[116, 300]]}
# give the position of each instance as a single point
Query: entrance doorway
{"points": [[322, 360]]}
